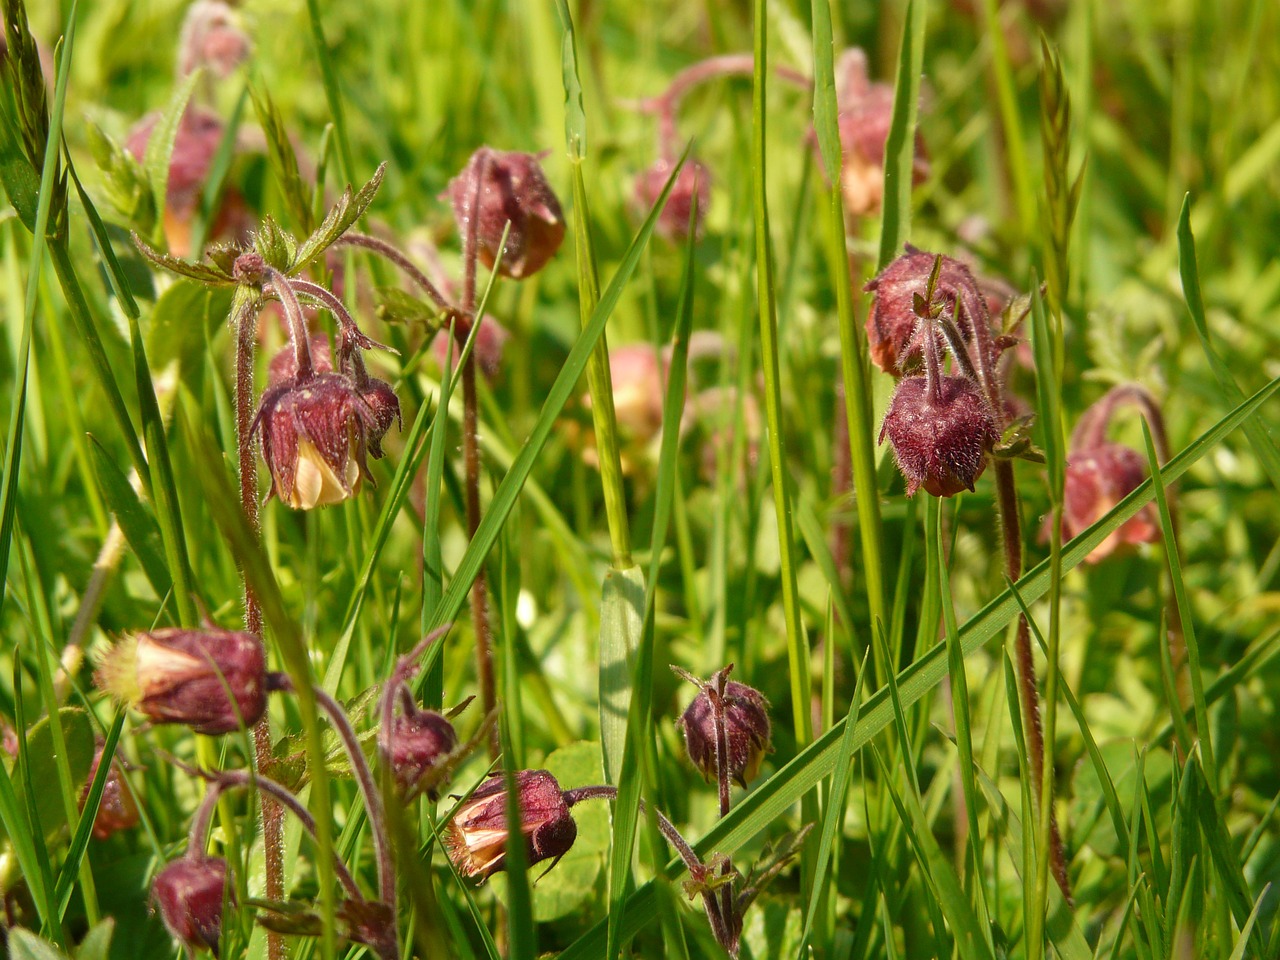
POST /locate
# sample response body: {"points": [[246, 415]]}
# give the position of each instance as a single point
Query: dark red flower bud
{"points": [[421, 740], [692, 186], [513, 189], [1096, 480], [213, 680], [746, 726], [284, 365], [189, 895], [940, 443], [116, 809], [315, 433], [892, 319], [384, 410], [476, 837], [212, 37]]}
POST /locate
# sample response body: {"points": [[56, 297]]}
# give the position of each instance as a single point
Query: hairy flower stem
{"points": [[272, 813], [666, 104], [394, 256], [602, 792], [364, 781], [1011, 533], [282, 287], [471, 462], [240, 779]]}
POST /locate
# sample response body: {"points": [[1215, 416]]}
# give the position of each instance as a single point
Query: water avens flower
{"points": [[315, 433], [1096, 480], [511, 188], [692, 188], [210, 679], [116, 809], [745, 714], [189, 895], [421, 741], [940, 437], [477, 836]]}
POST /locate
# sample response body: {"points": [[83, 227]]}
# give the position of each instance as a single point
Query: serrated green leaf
{"points": [[342, 216], [204, 272], [277, 246]]}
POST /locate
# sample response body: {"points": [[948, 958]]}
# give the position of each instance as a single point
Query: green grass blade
{"points": [[833, 815], [88, 812], [900, 147], [770, 361], [135, 520], [1259, 437], [855, 369], [325, 58], [1187, 615]]}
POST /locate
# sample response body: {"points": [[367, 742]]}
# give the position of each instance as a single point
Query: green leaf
{"points": [[136, 522], [21, 183], [900, 146], [1256, 431], [96, 944], [621, 623], [25, 945], [43, 765], [342, 216], [204, 272], [277, 245], [182, 322]]}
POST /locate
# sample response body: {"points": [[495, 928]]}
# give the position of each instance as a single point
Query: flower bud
{"points": [[421, 740], [476, 837], [212, 37], [746, 727], [692, 186], [1096, 480], [189, 894], [512, 188], [940, 442], [116, 809], [315, 434], [210, 679], [892, 319]]}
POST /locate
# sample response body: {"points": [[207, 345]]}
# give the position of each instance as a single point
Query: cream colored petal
{"points": [[315, 484]]}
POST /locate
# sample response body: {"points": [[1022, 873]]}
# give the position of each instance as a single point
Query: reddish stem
{"points": [[272, 812]]}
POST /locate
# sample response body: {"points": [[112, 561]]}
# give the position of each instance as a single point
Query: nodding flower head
{"points": [[940, 441], [421, 740], [512, 188], [213, 680], [189, 895], [892, 320], [746, 728], [690, 194], [316, 432], [1097, 478], [477, 836]]}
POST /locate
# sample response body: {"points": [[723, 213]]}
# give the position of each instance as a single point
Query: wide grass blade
{"points": [[900, 147]]}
